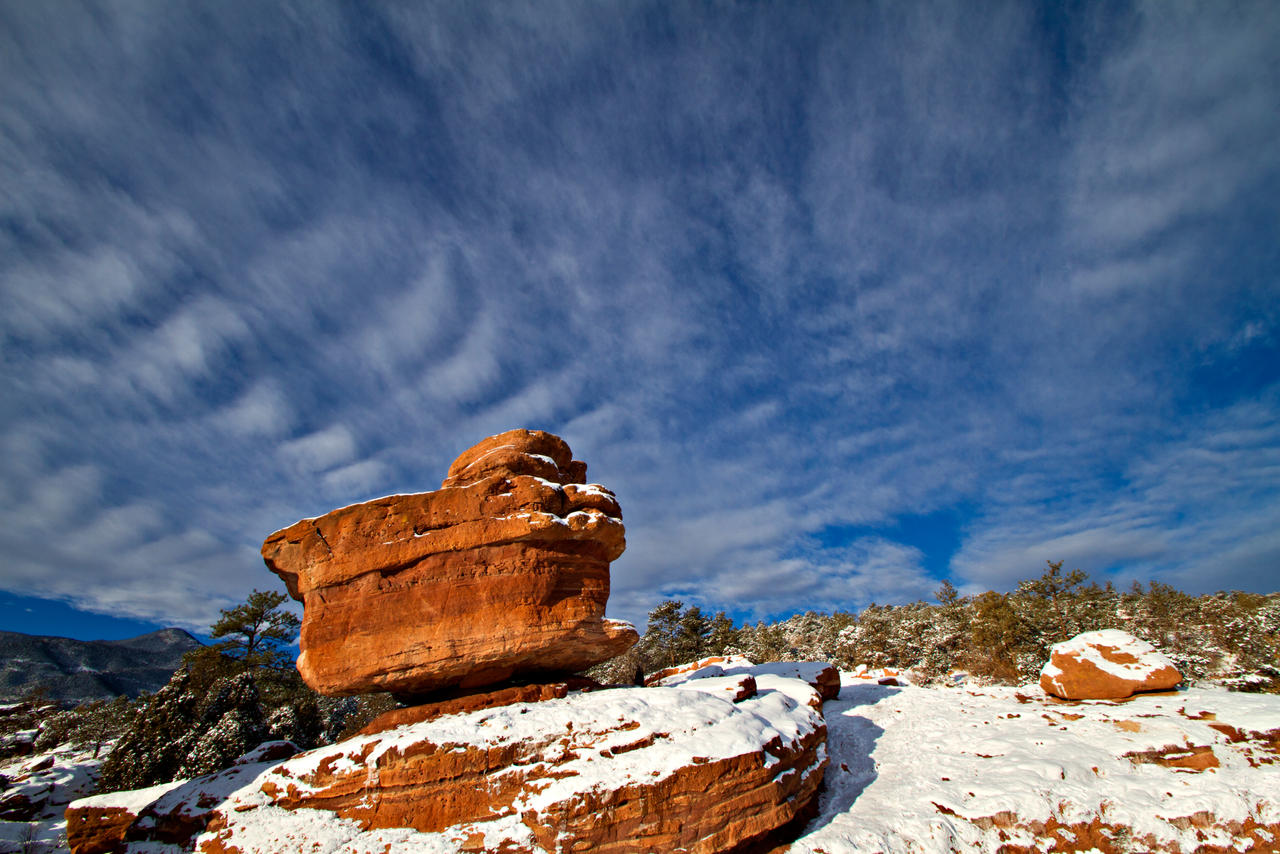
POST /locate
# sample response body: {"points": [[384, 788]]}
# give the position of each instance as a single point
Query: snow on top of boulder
{"points": [[578, 520], [714, 667], [1086, 647], [683, 724], [805, 671], [727, 687], [592, 489], [47, 781], [133, 800], [738, 665], [597, 741], [807, 682]]}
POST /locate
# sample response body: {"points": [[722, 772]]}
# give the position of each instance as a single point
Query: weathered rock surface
{"points": [[502, 572], [1189, 757], [616, 770], [1106, 665]]}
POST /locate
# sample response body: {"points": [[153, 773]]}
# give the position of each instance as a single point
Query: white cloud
{"points": [[263, 410], [187, 346], [854, 278], [321, 450], [470, 372], [1193, 511], [356, 478]]}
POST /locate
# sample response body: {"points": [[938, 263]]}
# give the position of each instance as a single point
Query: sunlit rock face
{"points": [[1106, 665], [526, 769], [502, 573]]}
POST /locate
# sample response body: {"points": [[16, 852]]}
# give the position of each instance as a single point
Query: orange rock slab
{"points": [[615, 770], [501, 573], [94, 830]]}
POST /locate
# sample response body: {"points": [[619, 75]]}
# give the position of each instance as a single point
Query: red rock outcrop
{"points": [[694, 667], [822, 676], [502, 572], [1106, 665], [1191, 757], [98, 830], [617, 770]]}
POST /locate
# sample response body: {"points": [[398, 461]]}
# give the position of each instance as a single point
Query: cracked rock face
{"points": [[501, 573]]}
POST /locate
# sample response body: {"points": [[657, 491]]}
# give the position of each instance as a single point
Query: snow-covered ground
{"points": [[974, 768], [965, 768], [46, 782]]}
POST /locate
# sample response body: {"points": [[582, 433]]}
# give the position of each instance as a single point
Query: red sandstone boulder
{"points": [[1106, 665], [618, 770], [502, 572]]}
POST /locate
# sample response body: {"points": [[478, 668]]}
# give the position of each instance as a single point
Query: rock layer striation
{"points": [[615, 770], [502, 573]]}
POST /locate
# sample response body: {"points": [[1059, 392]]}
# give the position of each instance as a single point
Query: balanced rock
{"points": [[616, 770], [1106, 665], [501, 573]]}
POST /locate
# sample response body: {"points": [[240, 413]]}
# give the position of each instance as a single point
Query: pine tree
{"points": [[91, 724], [300, 722], [1047, 597], [691, 639], [146, 754], [658, 647], [721, 635], [1000, 637], [256, 630], [230, 725], [211, 711]]}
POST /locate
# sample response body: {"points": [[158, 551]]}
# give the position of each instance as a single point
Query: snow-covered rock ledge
{"points": [[618, 770]]}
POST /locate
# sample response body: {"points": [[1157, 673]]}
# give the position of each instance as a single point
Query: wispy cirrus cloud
{"points": [[784, 277]]}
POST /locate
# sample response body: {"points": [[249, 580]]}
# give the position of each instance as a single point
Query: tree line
{"points": [[1229, 638]]}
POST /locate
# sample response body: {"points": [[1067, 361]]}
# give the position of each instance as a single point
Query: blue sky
{"points": [[839, 298]]}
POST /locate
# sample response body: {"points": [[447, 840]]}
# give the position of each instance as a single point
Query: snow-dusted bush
{"points": [[147, 753], [229, 726], [1232, 639]]}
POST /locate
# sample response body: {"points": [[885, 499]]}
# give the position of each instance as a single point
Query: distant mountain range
{"points": [[76, 671]]}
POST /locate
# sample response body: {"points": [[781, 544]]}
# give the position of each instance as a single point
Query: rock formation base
{"points": [[613, 770]]}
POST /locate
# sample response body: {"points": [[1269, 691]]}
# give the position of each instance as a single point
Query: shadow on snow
{"points": [[851, 739]]}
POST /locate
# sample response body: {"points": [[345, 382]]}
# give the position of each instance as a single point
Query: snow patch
{"points": [[925, 769]]}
